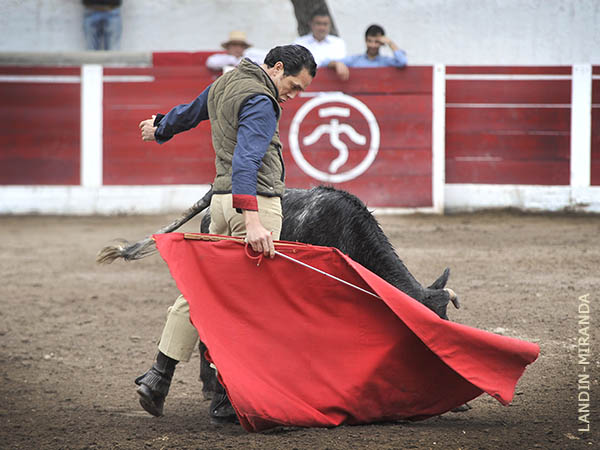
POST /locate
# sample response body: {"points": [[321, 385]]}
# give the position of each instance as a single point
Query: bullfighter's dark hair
{"points": [[294, 59], [374, 30]]}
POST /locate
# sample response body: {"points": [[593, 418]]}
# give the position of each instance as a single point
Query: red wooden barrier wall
{"points": [[508, 131], [399, 99], [501, 131], [187, 159], [40, 128]]}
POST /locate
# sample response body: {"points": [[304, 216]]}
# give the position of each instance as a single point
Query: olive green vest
{"points": [[226, 97]]}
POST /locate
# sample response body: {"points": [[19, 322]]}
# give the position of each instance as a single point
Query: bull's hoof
{"points": [[151, 402]]}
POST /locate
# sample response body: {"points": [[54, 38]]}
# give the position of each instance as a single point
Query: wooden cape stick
{"points": [[241, 240]]}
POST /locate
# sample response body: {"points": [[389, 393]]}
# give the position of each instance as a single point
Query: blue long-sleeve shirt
{"points": [[257, 125]]}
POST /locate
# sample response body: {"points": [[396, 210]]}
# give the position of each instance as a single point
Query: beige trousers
{"points": [[179, 336]]}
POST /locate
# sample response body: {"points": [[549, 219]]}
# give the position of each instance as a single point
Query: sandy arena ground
{"points": [[75, 335]]}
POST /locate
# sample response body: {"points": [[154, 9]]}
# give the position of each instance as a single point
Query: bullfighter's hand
{"points": [[259, 238], [148, 129]]}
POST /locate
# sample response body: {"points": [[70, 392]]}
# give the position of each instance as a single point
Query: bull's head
{"points": [[437, 296]]}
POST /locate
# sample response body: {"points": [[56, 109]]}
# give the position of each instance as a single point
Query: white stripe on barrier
{"points": [[151, 199], [479, 158], [473, 197], [128, 79], [508, 105], [318, 93], [61, 79], [55, 79], [81, 200], [529, 133], [506, 77], [175, 198]]}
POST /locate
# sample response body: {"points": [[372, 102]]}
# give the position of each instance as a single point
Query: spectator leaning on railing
{"points": [[375, 38]]}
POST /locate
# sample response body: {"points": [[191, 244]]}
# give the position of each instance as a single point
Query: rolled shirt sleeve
{"points": [[399, 59], [257, 125]]}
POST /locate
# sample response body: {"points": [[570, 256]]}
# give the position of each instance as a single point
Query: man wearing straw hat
{"points": [[236, 47]]}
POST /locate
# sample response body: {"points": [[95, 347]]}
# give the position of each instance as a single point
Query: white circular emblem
{"points": [[334, 128]]}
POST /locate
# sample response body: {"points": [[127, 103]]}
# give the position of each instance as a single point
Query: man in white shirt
{"points": [[323, 46]]}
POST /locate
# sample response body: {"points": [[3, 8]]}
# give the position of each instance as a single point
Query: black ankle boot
{"points": [[154, 384], [220, 410]]}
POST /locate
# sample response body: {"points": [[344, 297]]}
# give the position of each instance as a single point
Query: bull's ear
{"points": [[440, 283]]}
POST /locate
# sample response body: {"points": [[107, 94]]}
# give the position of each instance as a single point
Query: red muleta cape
{"points": [[297, 348]]}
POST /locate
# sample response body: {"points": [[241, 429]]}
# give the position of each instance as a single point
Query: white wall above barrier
{"points": [[518, 32]]}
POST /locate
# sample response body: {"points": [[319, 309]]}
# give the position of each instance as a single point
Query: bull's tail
{"points": [[126, 250], [146, 247]]}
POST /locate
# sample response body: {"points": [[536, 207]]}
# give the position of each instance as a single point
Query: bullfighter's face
{"points": [[288, 85]]}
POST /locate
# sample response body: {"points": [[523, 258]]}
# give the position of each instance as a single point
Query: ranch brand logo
{"points": [[345, 117]]}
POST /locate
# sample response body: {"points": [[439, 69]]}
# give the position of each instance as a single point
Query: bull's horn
{"points": [[453, 297]]}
